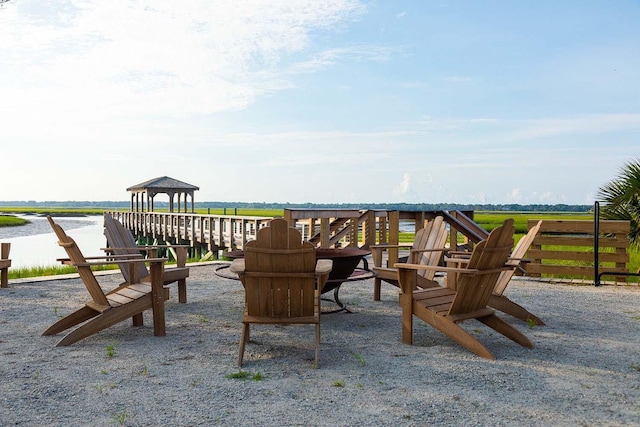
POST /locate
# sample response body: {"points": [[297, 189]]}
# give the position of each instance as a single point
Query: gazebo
{"points": [[162, 185]]}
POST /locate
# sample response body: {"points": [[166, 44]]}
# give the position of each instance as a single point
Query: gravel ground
{"points": [[584, 369]]}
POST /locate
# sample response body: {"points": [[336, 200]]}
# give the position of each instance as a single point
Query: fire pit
{"points": [[345, 268], [345, 263]]}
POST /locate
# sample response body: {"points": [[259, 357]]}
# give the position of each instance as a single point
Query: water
{"points": [[35, 244]]}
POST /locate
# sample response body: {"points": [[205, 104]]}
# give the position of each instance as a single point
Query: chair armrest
{"points": [[450, 269], [120, 261], [517, 264], [108, 258], [180, 251], [454, 260], [323, 266], [434, 268], [385, 246], [377, 250], [429, 250], [460, 254], [520, 260], [161, 246], [237, 266]]}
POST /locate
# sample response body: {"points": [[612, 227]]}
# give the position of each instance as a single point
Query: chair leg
{"points": [[4, 278], [106, 319], [406, 302], [137, 320], [93, 326], [377, 284], [317, 344], [506, 329], [182, 290], [73, 319], [244, 338], [158, 297], [504, 304], [458, 334]]}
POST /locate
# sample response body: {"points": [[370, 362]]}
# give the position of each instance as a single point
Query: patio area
{"points": [[584, 369]]}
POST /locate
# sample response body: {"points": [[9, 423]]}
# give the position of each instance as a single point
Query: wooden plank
{"points": [[576, 256], [568, 270], [581, 226], [586, 241]]}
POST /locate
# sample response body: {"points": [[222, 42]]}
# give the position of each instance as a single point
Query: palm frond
{"points": [[621, 198]]}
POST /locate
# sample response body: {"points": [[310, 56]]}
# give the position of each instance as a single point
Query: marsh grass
{"points": [[51, 270], [491, 220], [55, 270], [12, 221]]}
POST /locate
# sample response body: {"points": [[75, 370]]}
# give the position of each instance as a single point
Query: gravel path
{"points": [[584, 369]]}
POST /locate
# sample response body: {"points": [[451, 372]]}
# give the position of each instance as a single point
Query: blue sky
{"points": [[335, 101]]}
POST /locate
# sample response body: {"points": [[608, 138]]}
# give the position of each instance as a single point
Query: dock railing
{"points": [[211, 232]]}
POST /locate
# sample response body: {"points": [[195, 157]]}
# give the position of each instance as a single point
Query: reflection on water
{"points": [[35, 244]]}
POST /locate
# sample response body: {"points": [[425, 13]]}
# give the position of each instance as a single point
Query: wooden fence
{"points": [[567, 248]]}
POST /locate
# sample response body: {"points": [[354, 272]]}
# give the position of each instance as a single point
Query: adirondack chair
{"points": [[121, 242], [502, 302], [5, 263], [130, 299], [498, 300], [427, 249], [443, 307], [281, 279]]}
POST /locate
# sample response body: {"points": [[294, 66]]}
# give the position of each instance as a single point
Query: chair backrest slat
{"points": [[433, 235], [76, 257]]}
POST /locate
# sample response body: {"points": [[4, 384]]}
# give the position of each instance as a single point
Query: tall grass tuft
{"points": [[50, 270]]}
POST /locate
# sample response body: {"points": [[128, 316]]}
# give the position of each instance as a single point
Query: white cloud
{"points": [[404, 191], [163, 58], [405, 184], [515, 196]]}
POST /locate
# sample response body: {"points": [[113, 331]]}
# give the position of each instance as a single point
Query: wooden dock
{"points": [[207, 233]]}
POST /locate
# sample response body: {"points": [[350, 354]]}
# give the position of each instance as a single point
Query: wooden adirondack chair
{"points": [[281, 279], [121, 242], [5, 263], [427, 249], [502, 302], [443, 308], [516, 260], [105, 310]]}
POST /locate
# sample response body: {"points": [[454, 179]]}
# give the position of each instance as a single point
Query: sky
{"points": [[319, 101]]}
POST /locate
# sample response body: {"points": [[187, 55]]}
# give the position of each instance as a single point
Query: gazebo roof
{"points": [[163, 183]]}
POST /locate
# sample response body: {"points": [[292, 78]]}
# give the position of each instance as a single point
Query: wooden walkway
{"points": [[210, 233]]}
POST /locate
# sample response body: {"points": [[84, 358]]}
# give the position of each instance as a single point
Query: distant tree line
{"points": [[265, 205]]}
